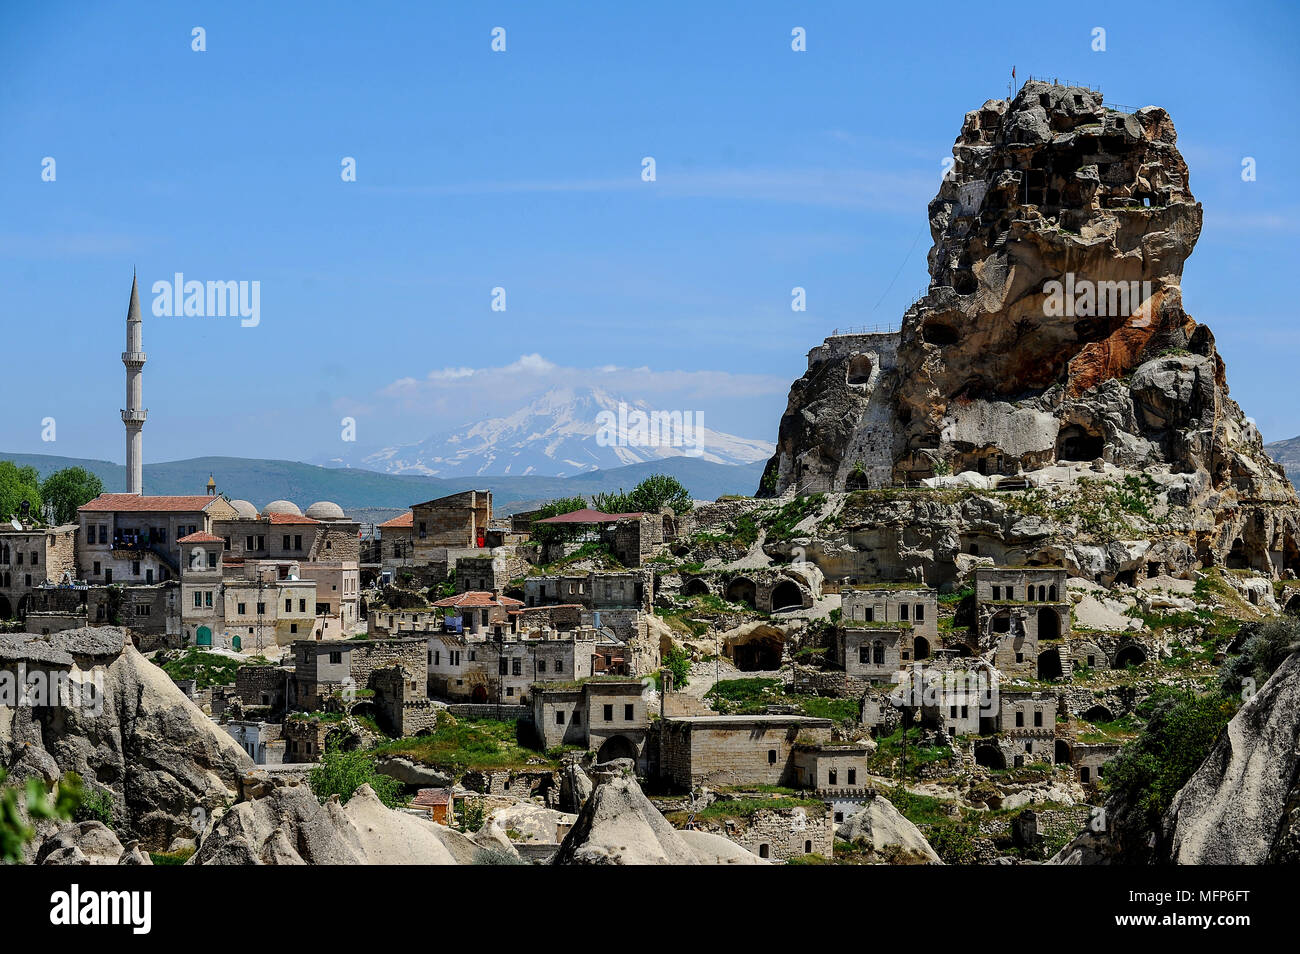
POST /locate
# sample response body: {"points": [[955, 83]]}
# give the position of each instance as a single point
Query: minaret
{"points": [[134, 414]]}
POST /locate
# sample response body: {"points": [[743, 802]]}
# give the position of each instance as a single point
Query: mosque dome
{"points": [[282, 506], [245, 509], [325, 510]]}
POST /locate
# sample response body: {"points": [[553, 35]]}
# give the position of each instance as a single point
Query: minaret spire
{"points": [[134, 413]]}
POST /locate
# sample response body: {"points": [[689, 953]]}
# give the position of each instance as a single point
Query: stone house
{"points": [[1024, 613], [261, 740], [34, 557], [481, 613], [1028, 723], [735, 749], [605, 716], [131, 538], [328, 667], [467, 669], [395, 543], [875, 654], [448, 527], [895, 604], [833, 769], [780, 834]]}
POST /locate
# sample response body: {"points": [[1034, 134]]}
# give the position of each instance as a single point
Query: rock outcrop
{"points": [[127, 731], [882, 827], [619, 826], [1242, 807], [290, 826], [1052, 332]]}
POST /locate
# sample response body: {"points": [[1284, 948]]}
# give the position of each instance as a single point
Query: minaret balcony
{"points": [[134, 416], [133, 359]]}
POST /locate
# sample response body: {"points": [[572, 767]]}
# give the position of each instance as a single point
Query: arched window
{"points": [[878, 653], [1051, 593]]}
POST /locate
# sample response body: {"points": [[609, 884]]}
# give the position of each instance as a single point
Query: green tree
{"points": [[678, 662], [342, 773], [650, 496], [1265, 647], [68, 489], [16, 485], [1182, 727]]}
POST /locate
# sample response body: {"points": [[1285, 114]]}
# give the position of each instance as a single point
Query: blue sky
{"points": [[522, 169]]}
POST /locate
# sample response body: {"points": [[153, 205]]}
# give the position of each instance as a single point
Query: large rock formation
{"points": [[1052, 332], [131, 733], [619, 826], [1242, 807], [290, 826]]}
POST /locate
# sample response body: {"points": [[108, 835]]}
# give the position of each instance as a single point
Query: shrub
{"points": [[342, 773]]}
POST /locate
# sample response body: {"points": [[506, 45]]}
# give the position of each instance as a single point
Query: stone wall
{"points": [[735, 750]]}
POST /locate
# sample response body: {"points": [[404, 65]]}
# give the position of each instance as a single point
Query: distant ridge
{"points": [[262, 481]]}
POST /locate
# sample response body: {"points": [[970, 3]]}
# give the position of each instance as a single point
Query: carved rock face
{"points": [[1053, 328]]}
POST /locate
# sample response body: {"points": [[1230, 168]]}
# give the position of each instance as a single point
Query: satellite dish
{"points": [[13, 522]]}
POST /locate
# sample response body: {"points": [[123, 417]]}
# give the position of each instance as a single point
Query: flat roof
{"points": [[723, 721]]}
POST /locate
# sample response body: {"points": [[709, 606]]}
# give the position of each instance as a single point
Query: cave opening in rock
{"points": [[786, 595], [695, 587], [921, 648], [1098, 713], [859, 369], [1063, 752], [742, 590], [1130, 655], [990, 757], [937, 333], [1078, 444], [1049, 665], [758, 655]]}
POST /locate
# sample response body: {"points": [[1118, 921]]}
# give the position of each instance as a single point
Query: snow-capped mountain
{"points": [[566, 431]]}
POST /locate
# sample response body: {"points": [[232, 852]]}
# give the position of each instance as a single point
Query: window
{"points": [[832, 777], [336, 658], [864, 655], [869, 614], [288, 606], [997, 592], [249, 544], [1020, 657], [261, 609], [762, 851], [141, 609], [226, 540], [902, 611], [302, 606], [198, 599], [297, 541], [97, 569], [207, 598], [952, 712], [609, 713], [628, 711], [516, 666], [559, 665], [212, 559], [878, 653], [1029, 747], [243, 608], [502, 663], [437, 657], [1038, 719], [965, 712], [853, 776], [286, 541], [541, 665], [807, 847], [293, 628], [135, 567], [919, 615], [103, 533], [510, 690], [559, 717], [839, 817], [771, 756], [1020, 718]]}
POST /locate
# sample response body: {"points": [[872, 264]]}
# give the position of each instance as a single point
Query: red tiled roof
{"points": [[138, 503], [476, 599], [201, 537], [289, 518], [587, 515], [405, 520]]}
